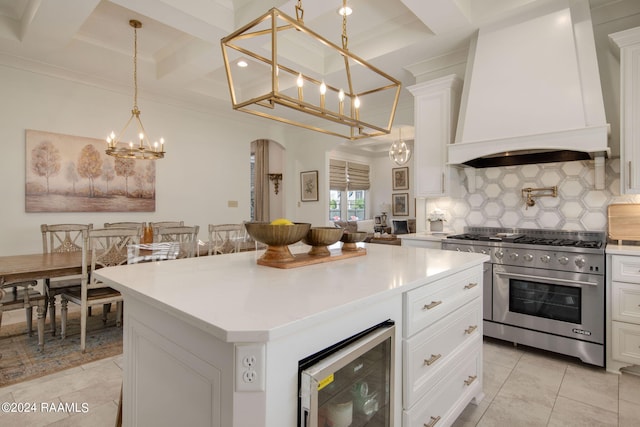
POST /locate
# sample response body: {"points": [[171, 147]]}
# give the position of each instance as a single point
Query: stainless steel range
{"points": [[543, 288]]}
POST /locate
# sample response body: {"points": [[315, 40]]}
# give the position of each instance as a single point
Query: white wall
{"points": [[207, 161]]}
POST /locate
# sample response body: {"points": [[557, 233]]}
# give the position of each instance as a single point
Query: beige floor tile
{"points": [[100, 416], [528, 387], [96, 394], [568, 413], [493, 377], [592, 386], [629, 388], [629, 415], [501, 353], [513, 411]]}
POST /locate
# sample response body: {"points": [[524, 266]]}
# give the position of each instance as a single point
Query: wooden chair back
{"points": [[61, 238], [225, 238], [186, 236]]}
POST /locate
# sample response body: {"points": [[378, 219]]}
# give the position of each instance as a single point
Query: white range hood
{"points": [[532, 91]]}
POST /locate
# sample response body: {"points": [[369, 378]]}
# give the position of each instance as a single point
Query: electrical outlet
{"points": [[250, 367]]}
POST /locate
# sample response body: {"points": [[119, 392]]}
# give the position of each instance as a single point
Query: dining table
{"points": [[18, 268]]}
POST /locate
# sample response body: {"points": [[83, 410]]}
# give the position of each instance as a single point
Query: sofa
{"points": [[399, 226]]}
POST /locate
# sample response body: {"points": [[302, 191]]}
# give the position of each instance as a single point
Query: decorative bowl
{"points": [[321, 237], [277, 238], [349, 240]]}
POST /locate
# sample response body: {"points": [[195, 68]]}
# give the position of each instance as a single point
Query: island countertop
{"points": [[236, 300]]}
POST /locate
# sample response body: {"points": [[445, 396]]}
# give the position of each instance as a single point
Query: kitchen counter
{"points": [[188, 323], [615, 249], [431, 237]]}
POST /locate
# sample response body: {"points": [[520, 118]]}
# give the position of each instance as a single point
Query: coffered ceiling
{"points": [[179, 54]]}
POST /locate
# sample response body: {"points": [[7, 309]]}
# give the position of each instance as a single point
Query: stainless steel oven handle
{"points": [[545, 279]]}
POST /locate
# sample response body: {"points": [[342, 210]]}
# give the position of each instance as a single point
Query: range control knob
{"points": [[499, 254], [580, 262], [484, 251], [470, 250], [563, 260], [514, 256], [545, 259], [528, 257]]}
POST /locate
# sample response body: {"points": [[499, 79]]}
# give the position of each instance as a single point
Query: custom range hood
{"points": [[532, 91]]}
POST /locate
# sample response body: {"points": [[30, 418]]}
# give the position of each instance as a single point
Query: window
{"points": [[348, 182]]}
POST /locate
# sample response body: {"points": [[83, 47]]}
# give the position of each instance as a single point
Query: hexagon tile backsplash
{"points": [[498, 201]]}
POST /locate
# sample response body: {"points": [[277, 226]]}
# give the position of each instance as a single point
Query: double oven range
{"points": [[542, 288]]}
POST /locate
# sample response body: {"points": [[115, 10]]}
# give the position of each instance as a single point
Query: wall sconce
{"points": [[276, 178], [529, 194]]}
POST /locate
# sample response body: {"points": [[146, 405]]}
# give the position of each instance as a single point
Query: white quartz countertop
{"points": [[616, 249], [431, 237], [234, 299]]}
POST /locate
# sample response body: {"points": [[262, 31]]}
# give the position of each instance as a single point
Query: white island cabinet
{"points": [[215, 341]]}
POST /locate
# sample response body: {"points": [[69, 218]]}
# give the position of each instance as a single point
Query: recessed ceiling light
{"points": [[242, 63], [345, 10]]}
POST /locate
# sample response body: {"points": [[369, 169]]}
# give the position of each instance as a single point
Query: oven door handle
{"points": [[544, 279]]}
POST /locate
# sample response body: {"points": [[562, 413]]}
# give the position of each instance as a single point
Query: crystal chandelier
{"points": [[280, 69], [142, 149], [399, 152]]}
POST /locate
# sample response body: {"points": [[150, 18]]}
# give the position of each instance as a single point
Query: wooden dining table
{"points": [[17, 268]]}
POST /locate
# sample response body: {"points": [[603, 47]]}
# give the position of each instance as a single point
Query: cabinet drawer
{"points": [[625, 302], [428, 304], [625, 268], [625, 340], [428, 353], [443, 403]]}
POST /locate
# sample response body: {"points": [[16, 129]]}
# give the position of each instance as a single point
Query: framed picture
{"points": [[377, 220], [400, 204], [400, 178], [66, 173], [309, 186]]}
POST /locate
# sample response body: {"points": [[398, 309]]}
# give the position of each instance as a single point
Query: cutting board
{"points": [[624, 221]]}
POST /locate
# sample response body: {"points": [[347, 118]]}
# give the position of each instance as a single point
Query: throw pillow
{"points": [[400, 226], [366, 225]]}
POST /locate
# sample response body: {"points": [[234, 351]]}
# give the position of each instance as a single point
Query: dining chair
{"points": [[186, 236], [159, 224], [127, 224], [61, 238], [21, 295], [106, 247], [225, 238]]}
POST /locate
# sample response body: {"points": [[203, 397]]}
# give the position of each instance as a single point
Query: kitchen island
{"points": [[189, 325]]}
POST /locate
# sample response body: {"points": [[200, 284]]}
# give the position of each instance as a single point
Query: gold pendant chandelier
{"points": [[142, 149], [280, 69]]}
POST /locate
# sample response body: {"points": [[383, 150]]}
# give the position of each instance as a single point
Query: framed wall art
{"points": [[66, 173], [309, 186], [400, 204], [400, 178]]}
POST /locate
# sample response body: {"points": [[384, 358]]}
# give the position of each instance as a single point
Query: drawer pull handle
{"points": [[471, 285], [471, 379], [432, 422], [470, 329], [432, 305], [430, 361]]}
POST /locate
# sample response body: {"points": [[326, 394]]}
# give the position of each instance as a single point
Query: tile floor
{"points": [[523, 387]]}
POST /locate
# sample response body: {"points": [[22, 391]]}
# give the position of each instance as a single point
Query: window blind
{"points": [[358, 176], [337, 175]]}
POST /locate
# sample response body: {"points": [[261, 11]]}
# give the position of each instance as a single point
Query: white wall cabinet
{"points": [[442, 349], [436, 104], [629, 43], [623, 322]]}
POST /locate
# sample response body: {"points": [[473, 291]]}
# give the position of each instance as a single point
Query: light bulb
{"points": [[341, 95], [356, 102], [323, 88], [300, 81]]}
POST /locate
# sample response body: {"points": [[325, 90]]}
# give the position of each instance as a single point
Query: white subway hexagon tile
{"points": [[595, 199], [550, 219], [493, 190], [571, 189], [572, 210], [594, 221]]}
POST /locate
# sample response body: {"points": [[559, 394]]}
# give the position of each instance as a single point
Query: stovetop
{"points": [[540, 237]]}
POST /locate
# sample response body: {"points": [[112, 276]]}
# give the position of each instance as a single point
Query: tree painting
{"points": [[45, 161], [90, 166], [129, 185]]}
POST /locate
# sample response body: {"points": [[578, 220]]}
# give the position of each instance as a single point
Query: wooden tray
{"points": [[305, 259], [624, 221]]}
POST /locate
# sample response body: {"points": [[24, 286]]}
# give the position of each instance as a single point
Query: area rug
{"points": [[20, 359]]}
